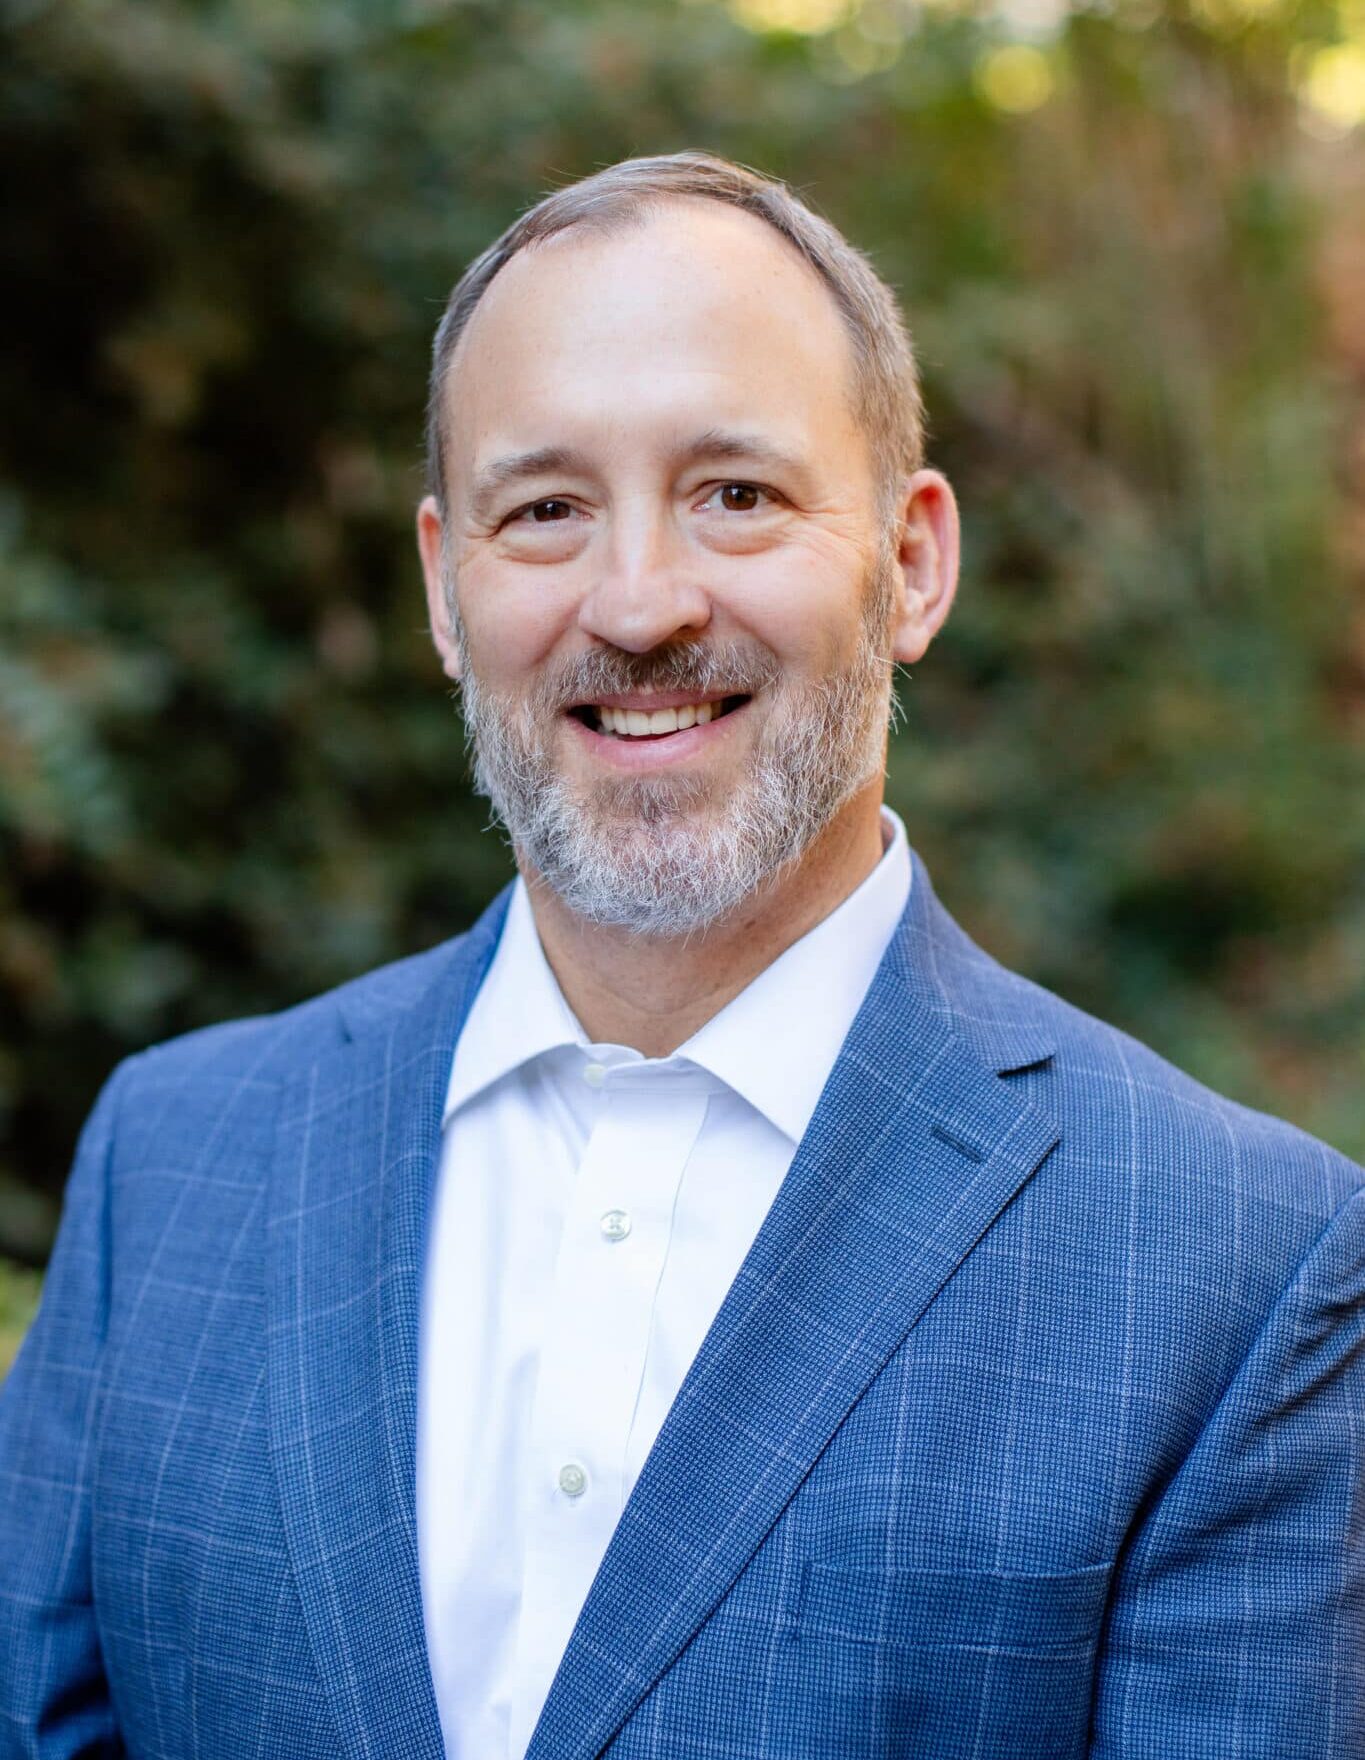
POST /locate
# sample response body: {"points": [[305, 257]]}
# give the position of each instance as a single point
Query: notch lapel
{"points": [[356, 1154], [915, 1148]]}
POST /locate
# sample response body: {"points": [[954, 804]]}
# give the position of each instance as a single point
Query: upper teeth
{"points": [[634, 722]]}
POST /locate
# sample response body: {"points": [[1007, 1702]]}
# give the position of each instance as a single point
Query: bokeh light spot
{"points": [[1016, 78], [1332, 81], [806, 18]]}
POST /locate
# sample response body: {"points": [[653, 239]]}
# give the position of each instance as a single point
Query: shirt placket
{"points": [[593, 1356]]}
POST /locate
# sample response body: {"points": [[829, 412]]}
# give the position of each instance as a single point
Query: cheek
{"points": [[512, 626], [809, 615]]}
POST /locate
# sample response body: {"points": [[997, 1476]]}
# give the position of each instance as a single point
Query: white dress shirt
{"points": [[592, 1208]]}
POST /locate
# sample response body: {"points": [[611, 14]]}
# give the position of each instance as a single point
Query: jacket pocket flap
{"points": [[927, 1608]]}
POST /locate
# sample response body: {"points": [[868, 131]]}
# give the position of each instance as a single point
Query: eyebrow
{"points": [[517, 467], [717, 443]]}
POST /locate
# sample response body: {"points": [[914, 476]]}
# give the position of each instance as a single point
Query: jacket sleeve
{"points": [[54, 1699], [1237, 1626]]}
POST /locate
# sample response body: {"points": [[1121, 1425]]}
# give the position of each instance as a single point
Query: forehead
{"points": [[699, 316]]}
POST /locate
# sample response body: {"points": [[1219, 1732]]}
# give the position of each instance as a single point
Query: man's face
{"points": [[661, 575]]}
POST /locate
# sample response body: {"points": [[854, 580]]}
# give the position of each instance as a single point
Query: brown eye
{"points": [[542, 512], [739, 497]]}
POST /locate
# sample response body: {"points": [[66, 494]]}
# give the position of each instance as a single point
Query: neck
{"points": [[653, 993]]}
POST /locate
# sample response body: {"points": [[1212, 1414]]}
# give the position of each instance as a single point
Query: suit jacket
{"points": [[1031, 1426]]}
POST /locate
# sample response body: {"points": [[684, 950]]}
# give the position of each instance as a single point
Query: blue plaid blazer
{"points": [[1033, 1424]]}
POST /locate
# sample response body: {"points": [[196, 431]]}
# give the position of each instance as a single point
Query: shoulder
{"points": [[1197, 1211], [1118, 1101], [1111, 1088], [1151, 1166], [269, 1048], [185, 1136], [1189, 1213]]}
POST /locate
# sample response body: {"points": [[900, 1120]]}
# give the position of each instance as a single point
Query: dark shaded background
{"points": [[1131, 240]]}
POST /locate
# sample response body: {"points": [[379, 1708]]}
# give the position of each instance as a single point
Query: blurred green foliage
{"points": [[1129, 241], [18, 1299]]}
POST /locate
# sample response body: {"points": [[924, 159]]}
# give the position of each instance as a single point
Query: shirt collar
{"points": [[777, 1041], [518, 1014], [774, 1044]]}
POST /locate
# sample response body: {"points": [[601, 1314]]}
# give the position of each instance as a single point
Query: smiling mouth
{"points": [[616, 723]]}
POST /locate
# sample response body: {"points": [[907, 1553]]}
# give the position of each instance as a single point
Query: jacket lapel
{"points": [[355, 1158], [914, 1150]]}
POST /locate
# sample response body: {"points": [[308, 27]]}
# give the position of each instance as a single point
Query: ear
{"points": [[928, 552], [430, 535]]}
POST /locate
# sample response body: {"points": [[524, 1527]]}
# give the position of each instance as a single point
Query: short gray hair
{"points": [[886, 391]]}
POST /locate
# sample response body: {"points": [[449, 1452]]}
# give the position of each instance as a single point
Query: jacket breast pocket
{"points": [[945, 1664]]}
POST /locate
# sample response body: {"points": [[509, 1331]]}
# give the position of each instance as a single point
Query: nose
{"points": [[647, 589]]}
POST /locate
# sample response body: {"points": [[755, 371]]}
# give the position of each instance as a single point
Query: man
{"points": [[710, 1308]]}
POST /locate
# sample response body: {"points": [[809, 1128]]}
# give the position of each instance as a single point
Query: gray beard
{"points": [[668, 856]]}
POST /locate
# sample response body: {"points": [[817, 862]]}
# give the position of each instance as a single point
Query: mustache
{"points": [[728, 669]]}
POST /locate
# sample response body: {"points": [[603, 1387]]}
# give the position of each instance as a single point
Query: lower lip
{"points": [[658, 752]]}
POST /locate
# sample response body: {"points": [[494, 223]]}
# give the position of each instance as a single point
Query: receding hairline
{"points": [[631, 195], [637, 217]]}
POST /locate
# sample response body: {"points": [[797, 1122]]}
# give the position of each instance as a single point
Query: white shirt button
{"points": [[594, 1074], [615, 1225], [573, 1481]]}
